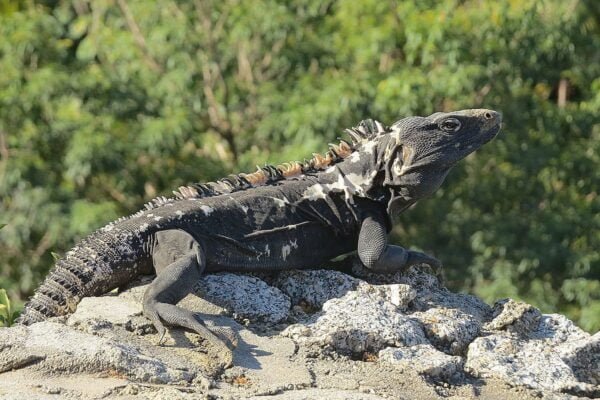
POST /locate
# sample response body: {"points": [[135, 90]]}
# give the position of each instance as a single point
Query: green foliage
{"points": [[106, 104], [7, 314]]}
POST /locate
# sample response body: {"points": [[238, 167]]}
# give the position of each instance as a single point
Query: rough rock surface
{"points": [[515, 317], [424, 359], [449, 329], [364, 320], [247, 297], [557, 356], [309, 335], [314, 287]]}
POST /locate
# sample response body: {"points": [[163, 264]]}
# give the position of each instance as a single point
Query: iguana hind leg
{"points": [[179, 262]]}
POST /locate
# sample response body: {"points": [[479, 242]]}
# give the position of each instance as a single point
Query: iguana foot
{"points": [[416, 257], [180, 317], [229, 337]]}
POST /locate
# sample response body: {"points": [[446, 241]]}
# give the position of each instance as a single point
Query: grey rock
{"points": [[245, 297], [430, 293], [398, 294], [314, 287], [515, 317], [62, 349], [424, 359], [556, 329], [409, 320], [583, 356], [115, 309], [554, 357], [319, 394], [448, 329], [362, 320]]}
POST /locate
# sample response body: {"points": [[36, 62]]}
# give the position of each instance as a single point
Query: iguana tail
{"points": [[106, 259]]}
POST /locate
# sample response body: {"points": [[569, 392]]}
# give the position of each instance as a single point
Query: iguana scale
{"points": [[296, 215]]}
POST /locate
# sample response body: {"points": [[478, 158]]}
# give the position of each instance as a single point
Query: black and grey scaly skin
{"points": [[329, 208]]}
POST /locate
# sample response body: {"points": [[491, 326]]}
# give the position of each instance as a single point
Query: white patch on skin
{"points": [[144, 227], [150, 215], [350, 184], [360, 182], [157, 218], [206, 210], [354, 157], [331, 169], [314, 192], [294, 243], [108, 228], [281, 202], [339, 185], [244, 209], [267, 251], [397, 167], [369, 146], [285, 251], [457, 145], [179, 214]]}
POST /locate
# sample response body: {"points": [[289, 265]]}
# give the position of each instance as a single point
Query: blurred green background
{"points": [[107, 103]]}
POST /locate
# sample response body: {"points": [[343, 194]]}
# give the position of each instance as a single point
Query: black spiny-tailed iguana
{"points": [[296, 215]]}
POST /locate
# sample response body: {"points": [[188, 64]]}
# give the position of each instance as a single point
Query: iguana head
{"points": [[421, 150]]}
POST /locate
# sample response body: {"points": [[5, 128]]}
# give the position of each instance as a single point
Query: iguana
{"points": [[295, 215]]}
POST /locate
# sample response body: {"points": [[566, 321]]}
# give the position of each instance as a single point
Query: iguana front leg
{"points": [[179, 262], [376, 254]]}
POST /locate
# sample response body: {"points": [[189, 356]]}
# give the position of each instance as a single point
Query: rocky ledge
{"points": [[306, 335]]}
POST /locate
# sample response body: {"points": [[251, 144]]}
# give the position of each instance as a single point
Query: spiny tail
{"points": [[99, 263]]}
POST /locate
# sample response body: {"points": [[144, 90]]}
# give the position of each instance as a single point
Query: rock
{"points": [[556, 329], [59, 348], [554, 357], [424, 359], [429, 292], [399, 329], [319, 394], [583, 356], [515, 317], [245, 296], [398, 294], [314, 287], [362, 320], [449, 330], [117, 310]]}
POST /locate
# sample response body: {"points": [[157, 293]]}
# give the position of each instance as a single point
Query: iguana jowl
{"points": [[296, 215]]}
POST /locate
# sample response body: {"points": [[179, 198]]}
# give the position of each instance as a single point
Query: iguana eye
{"points": [[450, 125]]}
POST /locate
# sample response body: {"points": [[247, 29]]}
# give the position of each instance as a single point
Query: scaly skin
{"points": [[292, 216]]}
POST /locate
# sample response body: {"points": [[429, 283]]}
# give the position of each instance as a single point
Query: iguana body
{"points": [[293, 216]]}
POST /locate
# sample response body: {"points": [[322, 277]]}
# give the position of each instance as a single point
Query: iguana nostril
{"points": [[488, 115]]}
